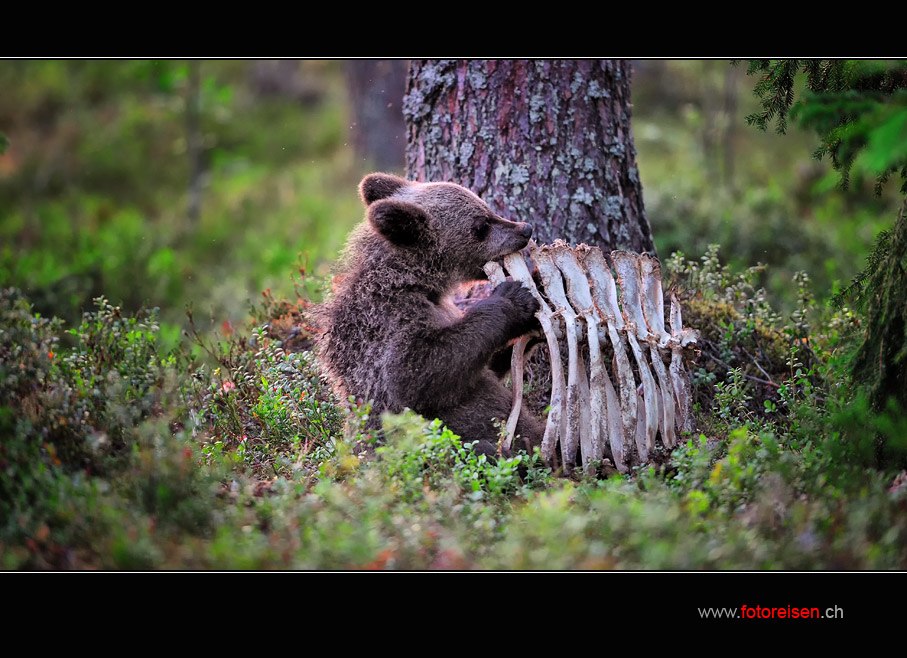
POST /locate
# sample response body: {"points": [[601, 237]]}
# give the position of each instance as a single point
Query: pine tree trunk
{"points": [[546, 142]]}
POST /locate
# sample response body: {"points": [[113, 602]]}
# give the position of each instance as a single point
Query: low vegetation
{"points": [[119, 457]]}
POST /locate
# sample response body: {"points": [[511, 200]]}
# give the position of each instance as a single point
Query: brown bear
{"points": [[390, 334]]}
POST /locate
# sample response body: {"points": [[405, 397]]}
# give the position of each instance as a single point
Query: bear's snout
{"points": [[525, 230]]}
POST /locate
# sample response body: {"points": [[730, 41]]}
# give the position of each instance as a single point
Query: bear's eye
{"points": [[480, 227]]}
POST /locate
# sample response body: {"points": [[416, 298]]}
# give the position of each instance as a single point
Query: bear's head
{"points": [[444, 222]]}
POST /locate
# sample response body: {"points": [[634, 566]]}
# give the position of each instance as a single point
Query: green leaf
{"points": [[886, 142]]}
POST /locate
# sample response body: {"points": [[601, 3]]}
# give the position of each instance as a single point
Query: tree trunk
{"points": [[546, 142], [731, 74], [378, 132], [194, 142]]}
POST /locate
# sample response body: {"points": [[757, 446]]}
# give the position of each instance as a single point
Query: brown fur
{"points": [[390, 334]]}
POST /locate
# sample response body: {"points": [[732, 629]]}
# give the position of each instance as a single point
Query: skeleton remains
{"points": [[604, 407]]}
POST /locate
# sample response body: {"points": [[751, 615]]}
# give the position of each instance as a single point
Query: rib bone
{"points": [[604, 410], [496, 276], [551, 278], [605, 295], [627, 267], [654, 312], [554, 428], [680, 338]]}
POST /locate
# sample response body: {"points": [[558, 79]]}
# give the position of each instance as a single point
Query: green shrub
{"points": [[88, 457], [267, 407], [81, 403]]}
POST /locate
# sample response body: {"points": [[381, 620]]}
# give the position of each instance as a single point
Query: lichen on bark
{"points": [[543, 141]]}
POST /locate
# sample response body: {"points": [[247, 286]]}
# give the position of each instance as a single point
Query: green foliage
{"points": [[83, 437], [732, 398], [881, 291], [858, 108], [787, 490], [755, 364], [776, 91], [84, 402], [413, 462], [268, 406], [709, 179]]}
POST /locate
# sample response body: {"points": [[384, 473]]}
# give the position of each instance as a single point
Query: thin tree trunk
{"points": [[730, 109], [376, 88], [711, 128], [194, 141], [547, 142]]}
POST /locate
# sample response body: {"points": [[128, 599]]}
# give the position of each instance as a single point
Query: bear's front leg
{"points": [[451, 359], [484, 331], [522, 306]]}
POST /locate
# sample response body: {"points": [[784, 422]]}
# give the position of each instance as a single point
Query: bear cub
{"points": [[389, 332]]}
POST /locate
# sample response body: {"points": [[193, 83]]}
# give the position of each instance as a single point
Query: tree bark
{"points": [[546, 142]]}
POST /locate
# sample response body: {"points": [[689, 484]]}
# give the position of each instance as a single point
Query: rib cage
{"points": [[604, 408]]}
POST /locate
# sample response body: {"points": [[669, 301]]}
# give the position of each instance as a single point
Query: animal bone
{"points": [[554, 287], [496, 276], [627, 267], [680, 338], [589, 414], [554, 429], [604, 411], [653, 304], [605, 293]]}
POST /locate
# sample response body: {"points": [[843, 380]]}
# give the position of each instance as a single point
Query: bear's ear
{"points": [[399, 222], [379, 186]]}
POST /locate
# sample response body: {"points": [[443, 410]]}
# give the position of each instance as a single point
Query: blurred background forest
{"points": [[162, 183]]}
